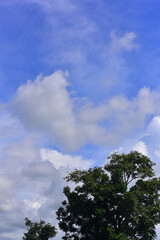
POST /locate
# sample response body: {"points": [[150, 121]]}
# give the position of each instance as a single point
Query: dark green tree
{"points": [[103, 206], [39, 230]]}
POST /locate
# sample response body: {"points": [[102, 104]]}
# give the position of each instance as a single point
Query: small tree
{"points": [[103, 207], [39, 230]]}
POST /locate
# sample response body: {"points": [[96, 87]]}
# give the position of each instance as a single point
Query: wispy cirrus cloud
{"points": [[124, 42]]}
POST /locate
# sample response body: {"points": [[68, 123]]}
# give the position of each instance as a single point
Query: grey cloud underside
{"points": [[31, 178], [30, 184]]}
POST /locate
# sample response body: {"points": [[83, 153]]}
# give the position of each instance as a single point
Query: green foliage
{"points": [[134, 165], [102, 206], [39, 230]]}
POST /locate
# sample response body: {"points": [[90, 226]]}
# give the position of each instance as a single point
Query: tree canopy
{"points": [[103, 205], [39, 230]]}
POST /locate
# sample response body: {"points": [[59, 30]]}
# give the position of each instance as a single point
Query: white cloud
{"points": [[29, 185], [141, 147], [152, 136], [63, 160], [154, 126], [116, 70], [157, 153], [158, 232], [31, 204], [46, 105], [152, 139], [33, 181], [124, 42], [31, 207], [134, 113]]}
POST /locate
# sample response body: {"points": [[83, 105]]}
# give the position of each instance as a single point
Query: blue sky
{"points": [[78, 80]]}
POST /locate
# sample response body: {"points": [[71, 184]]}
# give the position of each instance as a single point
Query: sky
{"points": [[78, 80]]}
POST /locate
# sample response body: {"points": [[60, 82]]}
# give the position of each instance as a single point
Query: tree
{"points": [[103, 206], [39, 230]]}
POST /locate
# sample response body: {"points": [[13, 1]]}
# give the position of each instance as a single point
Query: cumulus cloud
{"points": [[134, 113], [31, 175], [152, 137], [154, 126], [33, 189], [150, 142], [33, 179], [141, 147], [46, 105], [63, 160], [31, 183]]}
